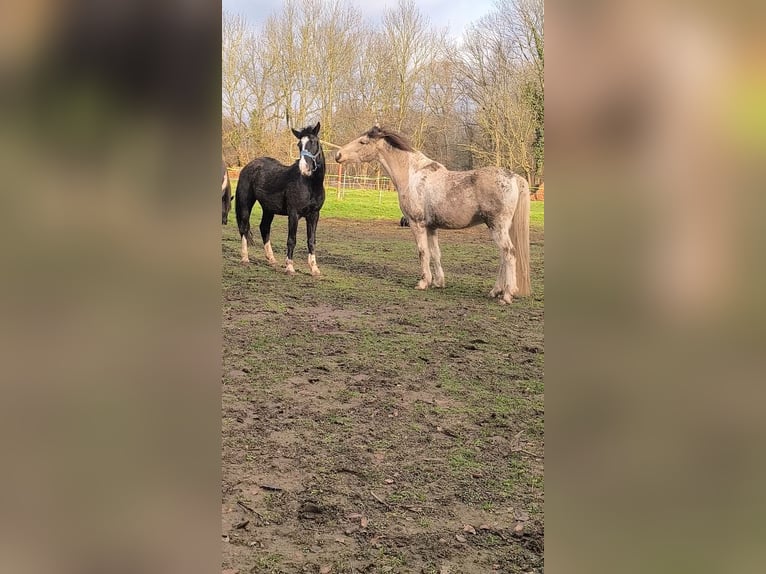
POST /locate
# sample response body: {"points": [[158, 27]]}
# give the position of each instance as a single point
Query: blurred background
{"points": [[110, 409], [655, 146]]}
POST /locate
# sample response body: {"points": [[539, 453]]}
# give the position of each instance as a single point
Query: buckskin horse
{"points": [[433, 197]]}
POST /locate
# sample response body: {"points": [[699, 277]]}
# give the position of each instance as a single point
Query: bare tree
{"points": [[525, 21], [235, 96], [405, 49], [479, 102], [502, 75], [285, 36], [339, 34]]}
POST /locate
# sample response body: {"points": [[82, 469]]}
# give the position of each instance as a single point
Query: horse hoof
{"points": [[505, 299], [315, 272], [421, 286], [272, 261], [244, 261]]}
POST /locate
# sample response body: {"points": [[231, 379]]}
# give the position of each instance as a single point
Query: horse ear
{"points": [[315, 129], [297, 134]]}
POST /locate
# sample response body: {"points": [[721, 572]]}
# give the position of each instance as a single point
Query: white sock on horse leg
{"points": [[313, 265], [243, 251], [269, 253]]}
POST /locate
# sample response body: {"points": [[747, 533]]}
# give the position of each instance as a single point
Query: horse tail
{"points": [[520, 237], [244, 200]]}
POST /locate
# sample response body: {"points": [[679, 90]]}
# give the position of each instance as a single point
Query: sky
{"points": [[455, 14]]}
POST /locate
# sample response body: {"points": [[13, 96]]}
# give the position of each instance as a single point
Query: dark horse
{"points": [[225, 195], [295, 190]]}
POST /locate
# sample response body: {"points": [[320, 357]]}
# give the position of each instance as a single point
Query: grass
{"points": [[268, 564], [369, 375], [365, 204], [463, 460], [362, 204]]}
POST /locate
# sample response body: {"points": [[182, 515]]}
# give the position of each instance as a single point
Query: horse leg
{"points": [[225, 197], [245, 200], [506, 280], [436, 256], [421, 239], [498, 288], [311, 230], [266, 219], [225, 206], [292, 232]]}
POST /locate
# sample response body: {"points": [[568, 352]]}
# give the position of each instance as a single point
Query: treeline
{"points": [[467, 104]]}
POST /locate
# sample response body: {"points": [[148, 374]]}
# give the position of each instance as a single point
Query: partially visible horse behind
{"points": [[225, 195], [432, 197], [295, 190]]}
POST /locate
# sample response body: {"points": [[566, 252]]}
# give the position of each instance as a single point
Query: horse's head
{"points": [[310, 150], [368, 146]]}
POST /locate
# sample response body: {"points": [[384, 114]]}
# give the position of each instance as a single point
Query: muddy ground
{"points": [[372, 428]]}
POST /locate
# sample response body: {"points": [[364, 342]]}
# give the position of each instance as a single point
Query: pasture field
{"points": [[372, 428], [365, 204]]}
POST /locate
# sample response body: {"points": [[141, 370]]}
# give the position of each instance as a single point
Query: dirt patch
{"points": [[368, 427]]}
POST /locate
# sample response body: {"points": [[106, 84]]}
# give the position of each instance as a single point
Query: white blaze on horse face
{"points": [[303, 164]]}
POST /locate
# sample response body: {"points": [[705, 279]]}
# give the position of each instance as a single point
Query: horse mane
{"points": [[392, 138]]}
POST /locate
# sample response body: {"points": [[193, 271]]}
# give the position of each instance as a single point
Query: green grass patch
{"points": [[366, 204], [267, 563], [463, 460], [362, 204]]}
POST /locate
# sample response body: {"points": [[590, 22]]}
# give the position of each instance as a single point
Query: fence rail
{"points": [[339, 179], [336, 177]]}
